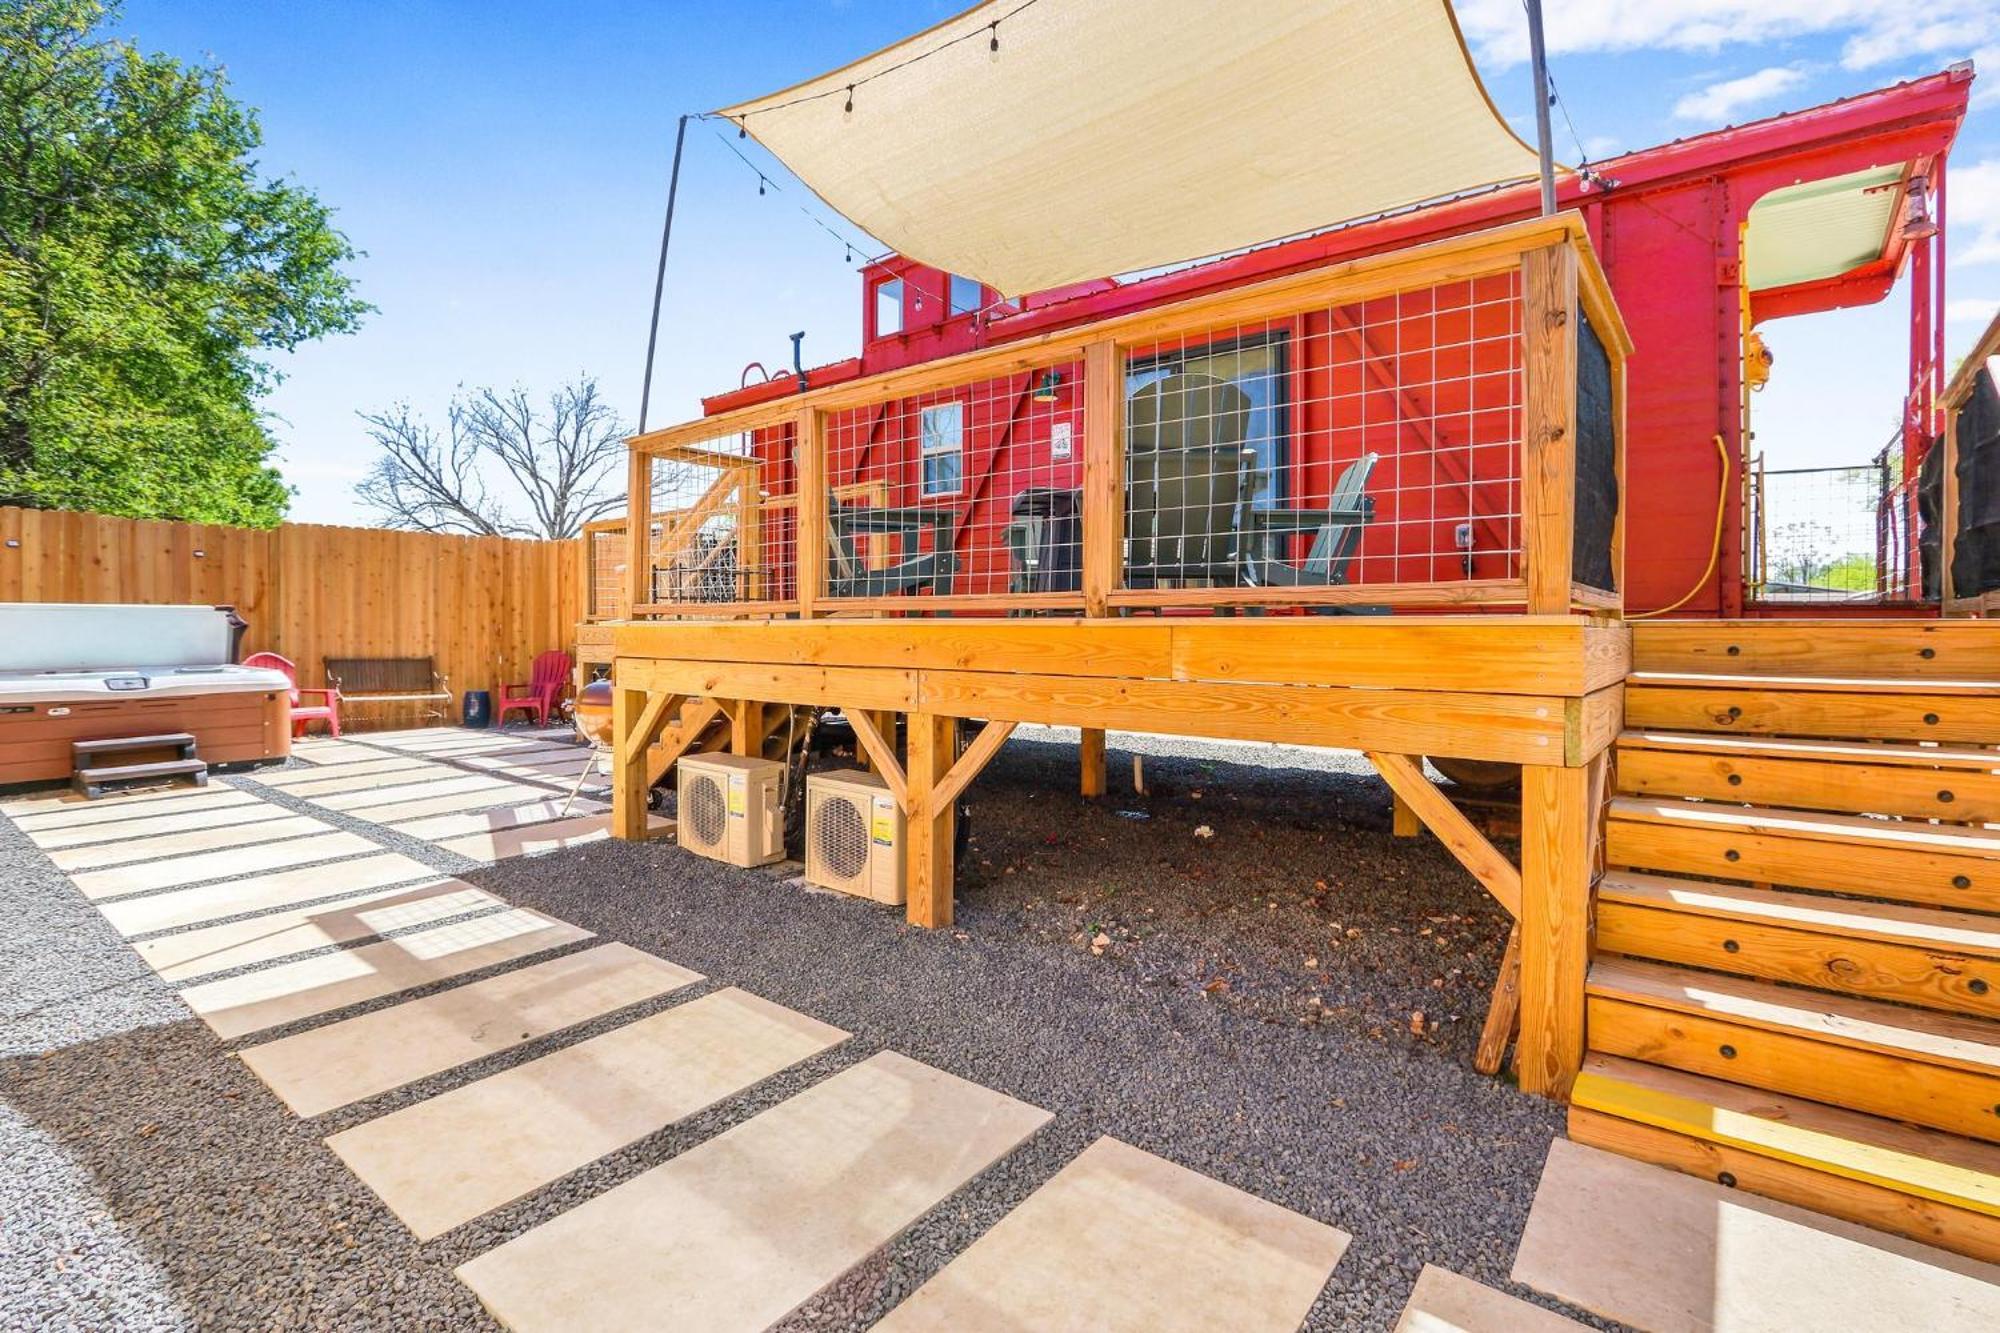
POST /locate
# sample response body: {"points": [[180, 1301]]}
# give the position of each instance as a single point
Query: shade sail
{"points": [[1107, 136]]}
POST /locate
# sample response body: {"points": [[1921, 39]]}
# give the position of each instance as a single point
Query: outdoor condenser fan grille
{"points": [[840, 833], [706, 812]]}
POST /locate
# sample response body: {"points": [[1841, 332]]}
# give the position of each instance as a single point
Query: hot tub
{"points": [[95, 672]]}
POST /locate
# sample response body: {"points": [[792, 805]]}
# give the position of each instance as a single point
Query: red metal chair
{"points": [[545, 685], [327, 710]]}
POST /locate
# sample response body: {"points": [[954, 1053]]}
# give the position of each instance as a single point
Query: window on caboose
{"points": [[1256, 370], [888, 307], [966, 294], [941, 445]]}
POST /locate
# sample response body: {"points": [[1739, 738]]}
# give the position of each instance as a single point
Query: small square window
{"points": [[941, 442], [888, 307], [965, 295]]}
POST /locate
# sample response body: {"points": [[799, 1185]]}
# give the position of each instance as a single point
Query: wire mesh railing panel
{"points": [[1375, 442], [1832, 534], [724, 522], [970, 490], [608, 582]]}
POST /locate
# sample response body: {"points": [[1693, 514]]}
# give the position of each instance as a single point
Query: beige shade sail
{"points": [[1108, 136]]}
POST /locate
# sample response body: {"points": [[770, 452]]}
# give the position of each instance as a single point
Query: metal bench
{"points": [[389, 680]]}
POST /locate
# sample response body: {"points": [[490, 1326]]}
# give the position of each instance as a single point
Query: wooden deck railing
{"points": [[1416, 429]]}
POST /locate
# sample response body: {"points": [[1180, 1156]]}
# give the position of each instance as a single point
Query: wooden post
{"points": [[1091, 755], [746, 728], [1403, 821], [931, 822], [810, 517], [638, 531], [1548, 426], [635, 718], [1103, 473], [1557, 859]]}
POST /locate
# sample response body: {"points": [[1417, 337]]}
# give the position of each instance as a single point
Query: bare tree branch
{"points": [[564, 463], [426, 484]]}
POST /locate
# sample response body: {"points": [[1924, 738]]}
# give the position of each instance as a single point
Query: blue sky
{"points": [[504, 167]]}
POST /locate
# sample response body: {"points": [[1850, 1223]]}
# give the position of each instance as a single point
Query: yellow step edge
{"points": [[1908, 1173]]}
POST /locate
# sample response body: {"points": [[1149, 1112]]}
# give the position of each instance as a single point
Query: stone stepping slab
{"points": [[346, 780], [176, 844], [64, 799], [737, 1232], [287, 778], [331, 753], [494, 821], [1123, 1241], [105, 812], [505, 793], [1444, 1302], [150, 826], [278, 888], [440, 782], [540, 839], [1670, 1253], [236, 1006], [463, 1153], [454, 742], [180, 871], [279, 935], [358, 1058]]}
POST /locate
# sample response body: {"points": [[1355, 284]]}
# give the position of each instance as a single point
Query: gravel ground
{"points": [[1249, 1016]]}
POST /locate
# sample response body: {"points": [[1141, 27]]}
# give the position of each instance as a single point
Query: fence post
{"points": [[638, 531], [1103, 472], [809, 517], [1548, 426]]}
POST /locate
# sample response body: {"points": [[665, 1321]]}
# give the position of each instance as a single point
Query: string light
{"points": [[992, 45], [765, 185]]}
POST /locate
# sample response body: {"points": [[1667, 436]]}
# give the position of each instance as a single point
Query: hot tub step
{"points": [[184, 741], [89, 776]]}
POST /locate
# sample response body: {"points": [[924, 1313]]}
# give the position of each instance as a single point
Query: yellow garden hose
{"points": [[1715, 544]]}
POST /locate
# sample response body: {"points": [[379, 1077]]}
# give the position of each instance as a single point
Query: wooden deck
{"points": [[1544, 692]]}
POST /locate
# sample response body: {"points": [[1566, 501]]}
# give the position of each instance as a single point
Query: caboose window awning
{"points": [[1108, 136]]}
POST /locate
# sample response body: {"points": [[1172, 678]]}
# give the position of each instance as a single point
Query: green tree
{"points": [[146, 272]]}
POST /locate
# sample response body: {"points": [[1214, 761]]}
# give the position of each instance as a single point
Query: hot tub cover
{"points": [[1108, 136]]}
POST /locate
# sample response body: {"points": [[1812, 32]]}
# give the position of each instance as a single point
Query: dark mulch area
{"points": [[1299, 907]]}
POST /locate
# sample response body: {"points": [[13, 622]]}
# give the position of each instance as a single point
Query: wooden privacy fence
{"points": [[482, 607]]}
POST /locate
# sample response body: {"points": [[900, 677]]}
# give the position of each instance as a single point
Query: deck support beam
{"points": [[1558, 869], [931, 824], [1405, 776], [1090, 757], [881, 751], [636, 718]]}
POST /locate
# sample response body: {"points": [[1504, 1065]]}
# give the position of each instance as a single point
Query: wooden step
{"points": [[1913, 955], [1948, 865], [1912, 649], [120, 744], [1924, 782], [1930, 1068], [91, 782], [1940, 1189], [1952, 711]]}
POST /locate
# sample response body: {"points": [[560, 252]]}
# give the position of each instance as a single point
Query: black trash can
{"points": [[478, 708]]}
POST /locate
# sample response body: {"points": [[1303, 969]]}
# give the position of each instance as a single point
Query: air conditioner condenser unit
{"points": [[731, 808], [854, 835]]}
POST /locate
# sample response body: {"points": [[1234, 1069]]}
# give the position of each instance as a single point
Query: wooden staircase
{"points": [[1796, 984]]}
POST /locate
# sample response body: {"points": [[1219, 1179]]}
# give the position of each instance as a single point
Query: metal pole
{"points": [[1538, 57], [660, 278]]}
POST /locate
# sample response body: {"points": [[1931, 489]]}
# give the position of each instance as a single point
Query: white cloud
{"points": [[1877, 32], [1972, 212], [1719, 102], [1973, 310]]}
